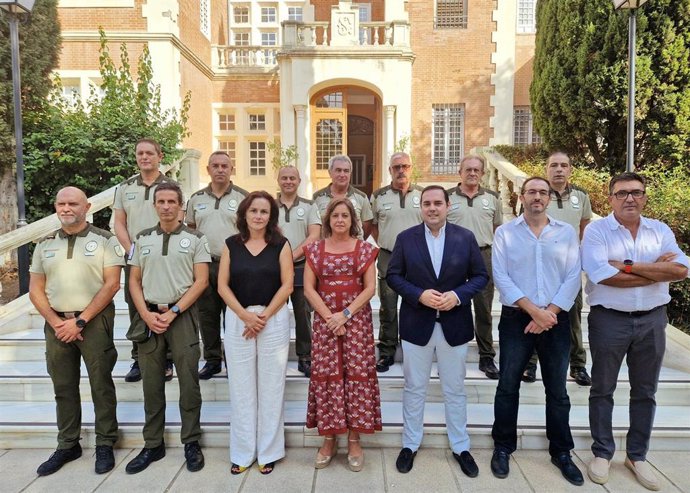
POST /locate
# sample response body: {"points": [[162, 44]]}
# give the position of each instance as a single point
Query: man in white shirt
{"points": [[536, 268], [629, 260]]}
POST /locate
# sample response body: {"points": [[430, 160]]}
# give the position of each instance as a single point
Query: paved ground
{"points": [[435, 470]]}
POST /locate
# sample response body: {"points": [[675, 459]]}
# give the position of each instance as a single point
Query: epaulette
{"points": [[147, 231], [191, 231], [320, 193], [306, 201], [359, 192], [416, 187], [49, 236], [452, 189], [240, 190], [130, 180], [200, 192], [100, 232], [492, 192], [381, 191], [579, 189]]}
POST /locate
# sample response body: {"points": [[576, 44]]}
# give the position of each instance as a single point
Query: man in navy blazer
{"points": [[436, 268]]}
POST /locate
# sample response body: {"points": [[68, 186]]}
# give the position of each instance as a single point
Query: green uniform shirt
{"points": [[479, 214], [570, 207], [359, 200], [295, 221], [215, 217], [73, 265], [394, 212], [167, 261], [136, 199]]}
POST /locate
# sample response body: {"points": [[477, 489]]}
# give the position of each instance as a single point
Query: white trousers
{"points": [[417, 362], [256, 375]]}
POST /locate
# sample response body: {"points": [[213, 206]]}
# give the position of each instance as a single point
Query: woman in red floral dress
{"points": [[339, 281]]}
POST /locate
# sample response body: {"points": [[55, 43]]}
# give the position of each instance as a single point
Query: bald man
{"points": [[75, 273]]}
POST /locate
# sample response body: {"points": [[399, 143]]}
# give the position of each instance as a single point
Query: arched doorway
{"points": [[346, 120]]}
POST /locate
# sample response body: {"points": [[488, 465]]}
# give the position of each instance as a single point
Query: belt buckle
{"points": [[70, 315], [162, 307]]}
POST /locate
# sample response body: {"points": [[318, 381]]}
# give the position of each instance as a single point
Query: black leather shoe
{"points": [[530, 373], [384, 363], [59, 458], [209, 370], [144, 459], [581, 377], [194, 457], [105, 459], [168, 370], [134, 374], [405, 460], [500, 464], [488, 366], [467, 464], [568, 469], [304, 366]]}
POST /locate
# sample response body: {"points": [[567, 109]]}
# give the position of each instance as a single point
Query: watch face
{"points": [[175, 309], [81, 323]]}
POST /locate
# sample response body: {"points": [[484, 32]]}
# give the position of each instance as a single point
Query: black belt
{"points": [[485, 247], [638, 313], [214, 258], [160, 307], [68, 315]]}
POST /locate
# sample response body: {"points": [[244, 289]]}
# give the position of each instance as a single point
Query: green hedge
{"points": [[668, 192]]}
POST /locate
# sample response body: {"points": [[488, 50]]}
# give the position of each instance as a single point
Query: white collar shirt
{"points": [[607, 239], [435, 245], [546, 270]]}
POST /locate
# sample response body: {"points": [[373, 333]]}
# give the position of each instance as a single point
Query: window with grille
{"points": [[451, 14], [295, 14], [268, 14], [332, 100], [241, 39], [523, 129], [226, 122], [448, 137], [526, 18], [329, 141], [205, 18], [269, 39], [229, 147], [240, 14], [257, 158], [242, 56], [257, 121]]}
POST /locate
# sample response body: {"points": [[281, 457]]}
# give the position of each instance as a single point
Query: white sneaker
{"points": [[644, 473], [598, 470]]}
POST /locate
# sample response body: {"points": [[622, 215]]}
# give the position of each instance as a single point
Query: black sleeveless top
{"points": [[254, 280]]}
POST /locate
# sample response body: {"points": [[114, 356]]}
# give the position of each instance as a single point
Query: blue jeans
{"points": [[516, 347]]}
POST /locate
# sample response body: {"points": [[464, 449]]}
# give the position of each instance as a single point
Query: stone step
{"points": [[28, 381], [32, 425]]}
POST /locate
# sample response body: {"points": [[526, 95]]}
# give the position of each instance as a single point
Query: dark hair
{"points": [[154, 143], [627, 176], [354, 227], [533, 178], [273, 236], [558, 150], [435, 187], [219, 153], [170, 186]]}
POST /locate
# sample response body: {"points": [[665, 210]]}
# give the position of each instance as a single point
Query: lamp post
{"points": [[631, 5], [14, 8]]}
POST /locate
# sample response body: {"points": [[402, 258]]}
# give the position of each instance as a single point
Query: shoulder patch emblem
{"points": [[119, 251], [206, 247]]}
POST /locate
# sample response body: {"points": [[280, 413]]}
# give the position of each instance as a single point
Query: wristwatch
{"points": [[347, 313], [175, 309], [80, 323], [628, 266]]}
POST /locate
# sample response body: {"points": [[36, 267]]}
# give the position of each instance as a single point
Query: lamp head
{"points": [[17, 6], [627, 4]]}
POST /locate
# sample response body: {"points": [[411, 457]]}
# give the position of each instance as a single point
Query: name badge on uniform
{"points": [[454, 207], [485, 203], [131, 196], [300, 213], [145, 251], [575, 202], [49, 253], [200, 207], [387, 207], [415, 201], [232, 205], [184, 244], [90, 248]]}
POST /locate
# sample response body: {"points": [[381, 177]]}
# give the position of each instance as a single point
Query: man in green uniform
{"points": [[133, 212], [169, 272], [301, 224], [479, 210], [75, 273], [340, 171], [395, 207], [213, 211], [571, 205]]}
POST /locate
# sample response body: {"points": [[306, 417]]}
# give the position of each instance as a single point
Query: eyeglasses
{"points": [[401, 167], [541, 193], [623, 194]]}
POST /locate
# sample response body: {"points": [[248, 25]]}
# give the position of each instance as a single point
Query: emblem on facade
{"points": [[345, 26]]}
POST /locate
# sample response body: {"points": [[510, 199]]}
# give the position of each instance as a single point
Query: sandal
{"points": [[267, 468], [235, 469], [355, 463], [324, 460]]}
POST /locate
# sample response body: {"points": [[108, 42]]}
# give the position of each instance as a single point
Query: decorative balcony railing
{"points": [[227, 57]]}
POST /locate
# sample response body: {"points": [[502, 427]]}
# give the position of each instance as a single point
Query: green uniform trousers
{"points": [[211, 307], [388, 313], [64, 367], [182, 339], [302, 311], [481, 304]]}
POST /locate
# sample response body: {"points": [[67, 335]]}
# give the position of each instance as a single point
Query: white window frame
{"points": [[228, 121], [242, 14], [205, 17], [266, 16], [295, 13], [526, 17], [446, 161], [256, 122], [257, 164], [522, 115]]}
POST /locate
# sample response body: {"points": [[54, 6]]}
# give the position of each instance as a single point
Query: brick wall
{"points": [[119, 19], [524, 61], [246, 90], [190, 32]]}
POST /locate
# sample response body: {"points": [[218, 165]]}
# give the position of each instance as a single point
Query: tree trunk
{"points": [[8, 209]]}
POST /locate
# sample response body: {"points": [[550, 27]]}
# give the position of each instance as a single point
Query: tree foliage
{"points": [[39, 49], [579, 89], [91, 146]]}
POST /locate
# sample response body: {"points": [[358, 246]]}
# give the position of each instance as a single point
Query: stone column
{"points": [[305, 188], [389, 139]]}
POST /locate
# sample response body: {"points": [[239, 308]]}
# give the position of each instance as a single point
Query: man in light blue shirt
{"points": [[536, 268]]}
